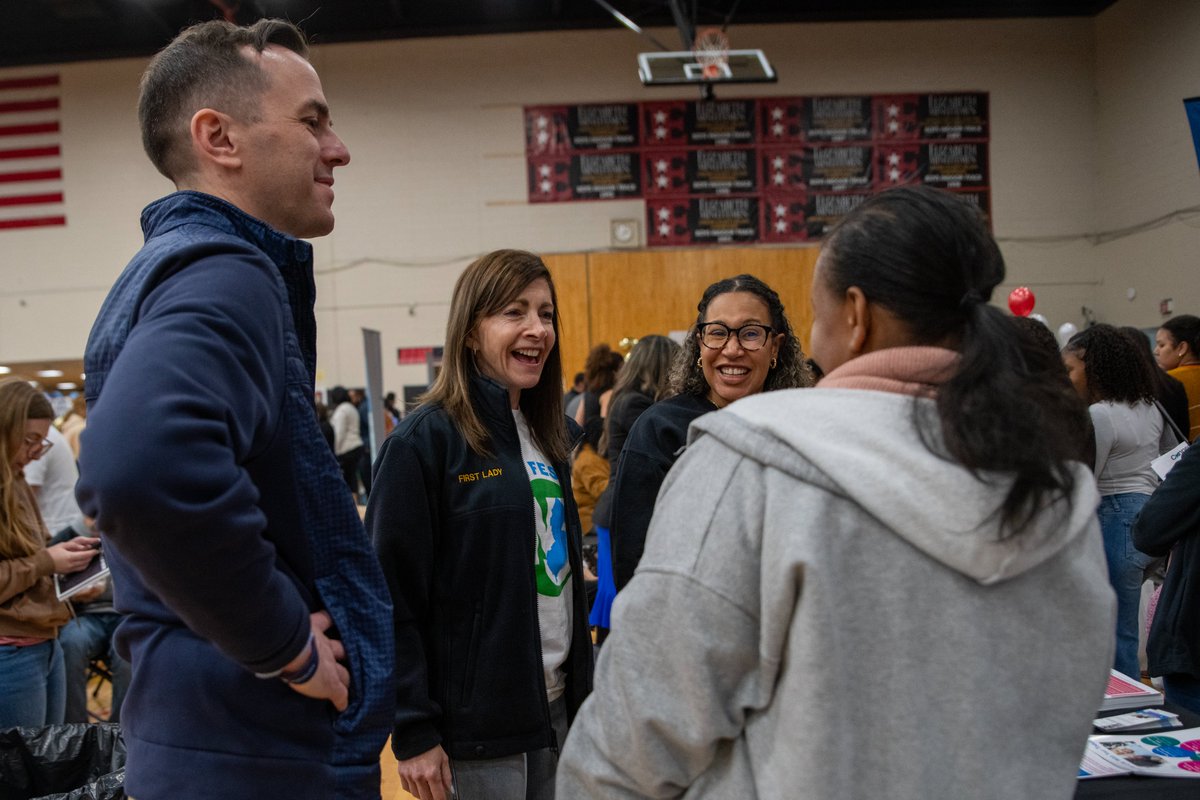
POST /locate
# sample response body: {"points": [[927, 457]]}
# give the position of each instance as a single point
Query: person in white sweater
{"points": [[347, 440], [890, 585], [1109, 374]]}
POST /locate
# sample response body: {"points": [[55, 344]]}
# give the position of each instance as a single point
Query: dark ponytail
{"points": [[928, 258]]}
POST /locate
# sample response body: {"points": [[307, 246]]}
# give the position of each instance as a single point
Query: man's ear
{"points": [[213, 140], [858, 318]]}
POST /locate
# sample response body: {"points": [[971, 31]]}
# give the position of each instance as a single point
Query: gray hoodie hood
{"points": [[863, 445]]}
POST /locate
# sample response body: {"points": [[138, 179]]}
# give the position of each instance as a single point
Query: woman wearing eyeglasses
{"points": [[741, 344], [32, 682]]}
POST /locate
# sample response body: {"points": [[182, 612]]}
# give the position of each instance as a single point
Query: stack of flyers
{"points": [[1126, 692], [1176, 755], [1148, 719]]}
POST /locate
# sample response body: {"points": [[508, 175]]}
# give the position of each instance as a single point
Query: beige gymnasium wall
{"points": [[436, 133], [1146, 164]]}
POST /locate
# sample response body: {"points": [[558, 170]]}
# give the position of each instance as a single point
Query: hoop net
{"points": [[711, 51]]}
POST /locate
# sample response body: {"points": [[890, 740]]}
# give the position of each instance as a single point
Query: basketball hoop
{"points": [[711, 50]]}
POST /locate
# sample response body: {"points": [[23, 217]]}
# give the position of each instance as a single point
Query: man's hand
{"points": [[332, 680], [74, 555], [426, 776]]}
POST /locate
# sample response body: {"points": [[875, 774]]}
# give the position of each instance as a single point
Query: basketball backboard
{"points": [[669, 69]]}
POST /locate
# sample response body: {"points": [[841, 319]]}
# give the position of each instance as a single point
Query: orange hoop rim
{"points": [[711, 49]]}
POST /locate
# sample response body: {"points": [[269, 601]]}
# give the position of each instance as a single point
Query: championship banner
{"points": [[561, 129], [836, 168], [683, 122], [702, 220], [838, 119], [806, 217], [943, 165], [773, 169], [584, 176], [932, 116], [701, 171]]}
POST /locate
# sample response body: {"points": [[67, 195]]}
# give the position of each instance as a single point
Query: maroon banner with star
{"points": [[773, 169]]}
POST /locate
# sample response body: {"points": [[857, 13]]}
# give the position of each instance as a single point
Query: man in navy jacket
{"points": [[258, 622]]}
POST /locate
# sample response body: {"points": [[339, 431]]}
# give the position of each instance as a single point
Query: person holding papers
{"points": [[888, 586], [32, 682]]}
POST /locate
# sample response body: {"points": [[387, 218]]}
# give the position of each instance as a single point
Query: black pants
{"points": [[348, 461]]}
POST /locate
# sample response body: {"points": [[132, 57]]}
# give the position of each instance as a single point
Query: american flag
{"points": [[31, 183]]}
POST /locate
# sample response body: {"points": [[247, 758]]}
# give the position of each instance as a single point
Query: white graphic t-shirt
{"points": [[550, 560]]}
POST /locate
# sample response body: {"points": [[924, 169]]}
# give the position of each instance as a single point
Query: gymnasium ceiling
{"points": [[51, 31]]}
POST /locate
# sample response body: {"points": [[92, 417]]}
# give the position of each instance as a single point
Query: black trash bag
{"points": [[77, 761]]}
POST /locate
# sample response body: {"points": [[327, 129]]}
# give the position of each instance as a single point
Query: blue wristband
{"points": [[301, 674], [309, 668]]}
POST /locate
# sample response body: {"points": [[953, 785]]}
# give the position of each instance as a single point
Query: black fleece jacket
{"points": [[650, 450], [454, 531]]}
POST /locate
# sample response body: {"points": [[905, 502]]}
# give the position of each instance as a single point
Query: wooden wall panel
{"points": [[569, 271], [641, 292], [609, 296]]}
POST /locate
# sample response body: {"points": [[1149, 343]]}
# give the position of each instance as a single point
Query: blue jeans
{"points": [[86, 637], [31, 685], [1126, 572]]}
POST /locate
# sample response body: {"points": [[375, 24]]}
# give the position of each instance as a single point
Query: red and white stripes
{"points": [[31, 182]]}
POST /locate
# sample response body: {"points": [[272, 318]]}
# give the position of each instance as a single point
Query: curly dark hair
{"points": [[1115, 369], [790, 372]]}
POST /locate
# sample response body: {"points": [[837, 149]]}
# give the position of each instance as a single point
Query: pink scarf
{"points": [[916, 371]]}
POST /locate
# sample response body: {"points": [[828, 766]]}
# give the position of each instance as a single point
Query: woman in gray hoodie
{"points": [[891, 585]]}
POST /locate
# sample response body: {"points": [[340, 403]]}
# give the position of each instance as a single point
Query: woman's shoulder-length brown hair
{"points": [[486, 286]]}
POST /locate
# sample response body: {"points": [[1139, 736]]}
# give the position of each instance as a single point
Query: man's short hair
{"points": [[205, 66]]}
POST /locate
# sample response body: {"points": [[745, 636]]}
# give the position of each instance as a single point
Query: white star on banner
{"points": [[781, 210], [664, 213], [779, 179], [781, 226], [660, 117], [660, 132], [778, 162], [893, 110], [893, 126], [661, 165], [663, 181], [664, 229], [893, 159], [894, 175], [542, 122], [543, 137], [546, 187], [544, 170], [777, 129], [777, 112]]}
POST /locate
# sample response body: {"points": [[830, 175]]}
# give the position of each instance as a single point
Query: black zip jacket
{"points": [[650, 451], [454, 532], [1170, 523]]}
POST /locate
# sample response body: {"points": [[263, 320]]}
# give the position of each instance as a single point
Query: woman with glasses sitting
{"points": [[32, 681], [741, 344]]}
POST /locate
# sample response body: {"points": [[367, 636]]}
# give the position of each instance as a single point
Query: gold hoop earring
{"points": [[700, 361], [774, 362]]}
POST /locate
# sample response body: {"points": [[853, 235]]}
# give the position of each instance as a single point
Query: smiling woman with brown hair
{"points": [[32, 681], [475, 525]]}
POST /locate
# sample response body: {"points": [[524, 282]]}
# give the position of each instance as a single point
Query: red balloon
{"points": [[1020, 301]]}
